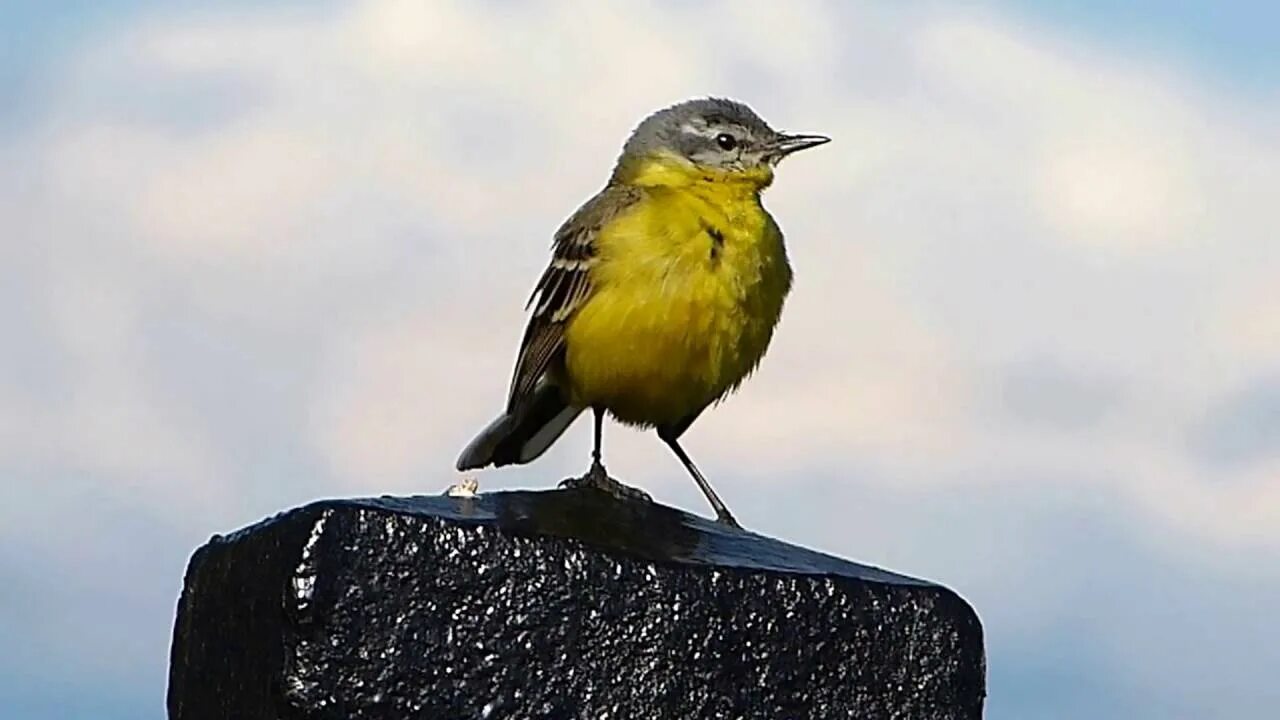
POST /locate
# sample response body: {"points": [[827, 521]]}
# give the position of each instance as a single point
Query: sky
{"points": [[261, 253]]}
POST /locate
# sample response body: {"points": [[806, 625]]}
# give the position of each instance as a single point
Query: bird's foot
{"points": [[724, 517], [597, 477]]}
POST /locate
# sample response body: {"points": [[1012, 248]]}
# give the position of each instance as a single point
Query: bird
{"points": [[661, 296]]}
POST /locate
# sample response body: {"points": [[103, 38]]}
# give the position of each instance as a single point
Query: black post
{"points": [[562, 604]]}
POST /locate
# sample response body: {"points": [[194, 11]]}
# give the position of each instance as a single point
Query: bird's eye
{"points": [[726, 141]]}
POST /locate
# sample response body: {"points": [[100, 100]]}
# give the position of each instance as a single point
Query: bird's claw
{"points": [[725, 518], [598, 478]]}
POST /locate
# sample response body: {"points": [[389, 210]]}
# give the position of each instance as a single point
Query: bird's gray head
{"points": [[712, 133]]}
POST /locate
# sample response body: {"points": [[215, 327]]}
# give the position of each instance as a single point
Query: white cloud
{"points": [[995, 194], [389, 402], [337, 243]]}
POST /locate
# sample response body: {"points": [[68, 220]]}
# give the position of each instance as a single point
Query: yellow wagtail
{"points": [[662, 293]]}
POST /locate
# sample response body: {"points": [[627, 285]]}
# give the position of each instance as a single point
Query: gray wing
{"points": [[563, 288]]}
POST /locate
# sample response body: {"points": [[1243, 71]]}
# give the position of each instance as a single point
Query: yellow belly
{"points": [[688, 289]]}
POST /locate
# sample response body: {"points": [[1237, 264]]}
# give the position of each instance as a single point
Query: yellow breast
{"points": [[689, 285]]}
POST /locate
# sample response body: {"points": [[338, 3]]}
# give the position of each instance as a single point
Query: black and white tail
{"points": [[523, 432]]}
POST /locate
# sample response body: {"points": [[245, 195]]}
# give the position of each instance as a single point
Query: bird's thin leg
{"points": [[597, 477], [722, 512], [599, 436]]}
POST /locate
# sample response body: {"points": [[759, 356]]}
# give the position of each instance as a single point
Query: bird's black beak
{"points": [[783, 145]]}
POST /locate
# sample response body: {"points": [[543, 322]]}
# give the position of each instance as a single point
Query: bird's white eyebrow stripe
{"points": [[705, 130]]}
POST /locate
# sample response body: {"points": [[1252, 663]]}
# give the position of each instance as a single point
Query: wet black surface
{"points": [[562, 604]]}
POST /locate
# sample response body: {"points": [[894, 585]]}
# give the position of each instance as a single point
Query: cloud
{"points": [[1075, 232], [1014, 196], [265, 254], [1054, 398], [1244, 429]]}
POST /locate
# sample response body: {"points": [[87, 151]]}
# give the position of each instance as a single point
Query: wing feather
{"points": [[564, 287]]}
